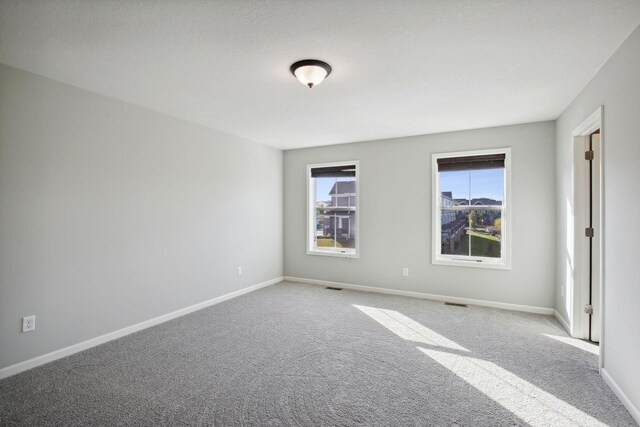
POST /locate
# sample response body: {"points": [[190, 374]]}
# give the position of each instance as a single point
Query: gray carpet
{"points": [[293, 354]]}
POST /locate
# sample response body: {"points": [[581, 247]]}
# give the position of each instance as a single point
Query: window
{"points": [[471, 210], [332, 224]]}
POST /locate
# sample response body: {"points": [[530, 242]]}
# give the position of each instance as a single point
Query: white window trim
{"points": [[310, 223], [437, 258]]}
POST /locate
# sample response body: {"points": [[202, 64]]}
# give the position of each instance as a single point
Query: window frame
{"points": [[311, 210], [437, 258]]}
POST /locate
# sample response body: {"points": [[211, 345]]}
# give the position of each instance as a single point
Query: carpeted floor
{"points": [[293, 354]]}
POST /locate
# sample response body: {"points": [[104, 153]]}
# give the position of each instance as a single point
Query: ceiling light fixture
{"points": [[310, 72]]}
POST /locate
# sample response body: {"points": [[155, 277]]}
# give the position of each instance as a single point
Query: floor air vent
{"points": [[334, 289], [455, 304]]}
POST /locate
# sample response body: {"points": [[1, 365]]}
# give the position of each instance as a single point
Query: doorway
{"points": [[587, 205], [592, 307]]}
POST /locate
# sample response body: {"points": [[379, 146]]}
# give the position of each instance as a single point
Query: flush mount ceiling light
{"points": [[310, 72]]}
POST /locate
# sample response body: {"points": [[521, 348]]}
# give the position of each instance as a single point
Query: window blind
{"points": [[333, 171], [487, 161]]}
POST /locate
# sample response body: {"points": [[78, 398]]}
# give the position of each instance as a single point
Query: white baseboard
{"points": [[562, 321], [75, 348], [635, 412], [483, 303]]}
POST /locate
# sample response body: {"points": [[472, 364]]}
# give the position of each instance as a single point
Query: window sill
{"points": [[345, 254], [471, 263]]}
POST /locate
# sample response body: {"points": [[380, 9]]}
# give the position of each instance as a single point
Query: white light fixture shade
{"points": [[310, 72]]}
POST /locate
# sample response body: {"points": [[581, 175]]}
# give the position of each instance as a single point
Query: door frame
{"points": [[580, 191]]}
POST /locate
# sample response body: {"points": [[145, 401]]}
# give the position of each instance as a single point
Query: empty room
{"points": [[305, 213]]}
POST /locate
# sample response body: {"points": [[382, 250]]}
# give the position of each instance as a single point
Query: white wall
{"points": [[111, 214], [617, 87], [395, 216]]}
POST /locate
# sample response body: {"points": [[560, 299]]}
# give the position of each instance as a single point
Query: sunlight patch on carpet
{"points": [[408, 328], [531, 404], [582, 345]]}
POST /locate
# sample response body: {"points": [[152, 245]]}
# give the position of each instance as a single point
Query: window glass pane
{"points": [[485, 228], [335, 212], [486, 186], [454, 238], [454, 191], [323, 226]]}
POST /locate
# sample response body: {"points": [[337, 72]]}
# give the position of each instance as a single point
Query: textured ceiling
{"points": [[400, 67]]}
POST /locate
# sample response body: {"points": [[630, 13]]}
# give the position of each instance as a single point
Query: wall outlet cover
{"points": [[28, 323]]}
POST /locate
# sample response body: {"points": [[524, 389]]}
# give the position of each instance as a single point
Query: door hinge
{"points": [[588, 309], [588, 232], [589, 155]]}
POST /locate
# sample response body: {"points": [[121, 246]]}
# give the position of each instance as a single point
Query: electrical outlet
{"points": [[28, 323], [562, 291], [405, 271], [239, 271]]}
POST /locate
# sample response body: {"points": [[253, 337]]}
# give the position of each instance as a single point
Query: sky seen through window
{"points": [[474, 184]]}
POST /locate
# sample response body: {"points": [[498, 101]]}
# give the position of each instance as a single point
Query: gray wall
{"points": [[617, 87], [111, 214], [395, 216]]}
